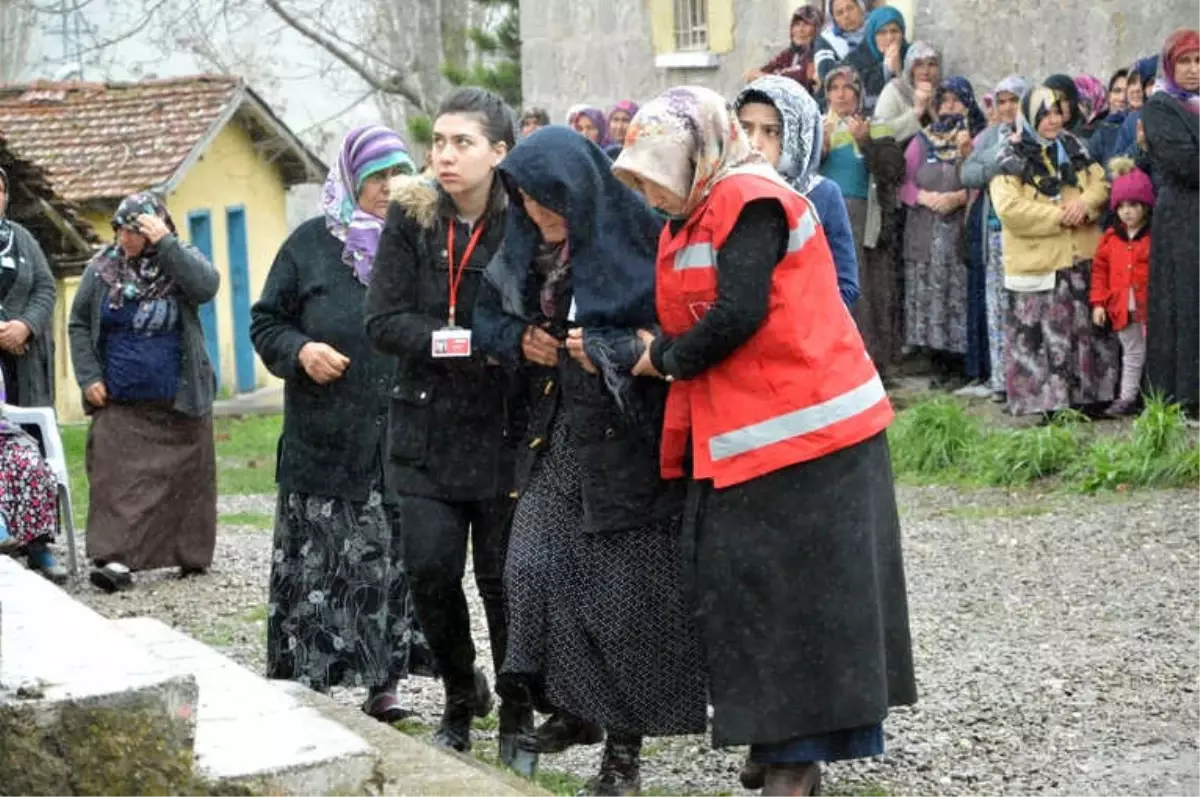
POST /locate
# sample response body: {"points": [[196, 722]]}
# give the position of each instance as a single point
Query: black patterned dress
{"points": [[340, 612], [601, 619]]}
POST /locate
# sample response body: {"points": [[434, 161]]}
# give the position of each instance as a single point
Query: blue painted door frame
{"points": [[200, 234], [237, 238]]}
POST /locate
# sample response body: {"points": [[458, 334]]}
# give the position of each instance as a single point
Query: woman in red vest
{"points": [[778, 416]]}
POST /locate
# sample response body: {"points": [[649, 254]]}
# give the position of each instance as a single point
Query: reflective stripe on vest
{"points": [[798, 423], [704, 255]]}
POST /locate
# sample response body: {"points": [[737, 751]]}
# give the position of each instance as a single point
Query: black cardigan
{"points": [[332, 434]]}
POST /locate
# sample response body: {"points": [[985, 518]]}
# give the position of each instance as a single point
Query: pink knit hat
{"points": [[1130, 184]]}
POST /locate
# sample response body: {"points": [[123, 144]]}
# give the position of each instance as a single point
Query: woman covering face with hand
{"points": [[599, 624]]}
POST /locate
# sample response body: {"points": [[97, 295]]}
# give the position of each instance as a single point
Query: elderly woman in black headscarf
{"points": [[139, 357], [26, 338], [598, 622]]}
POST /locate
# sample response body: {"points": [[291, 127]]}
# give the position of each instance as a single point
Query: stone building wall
{"points": [[599, 51]]}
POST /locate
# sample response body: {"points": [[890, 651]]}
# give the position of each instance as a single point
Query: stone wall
{"points": [[600, 51]]}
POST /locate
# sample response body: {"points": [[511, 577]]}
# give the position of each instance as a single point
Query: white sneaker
{"points": [[975, 390]]}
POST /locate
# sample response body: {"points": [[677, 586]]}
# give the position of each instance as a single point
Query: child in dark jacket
{"points": [[1121, 276]]}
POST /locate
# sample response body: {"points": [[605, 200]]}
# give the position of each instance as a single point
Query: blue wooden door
{"points": [[200, 234], [239, 285]]}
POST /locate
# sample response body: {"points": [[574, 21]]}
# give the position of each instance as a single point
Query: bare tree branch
{"points": [[396, 83]]}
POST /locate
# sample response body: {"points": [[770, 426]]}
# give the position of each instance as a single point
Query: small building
{"points": [[222, 160]]}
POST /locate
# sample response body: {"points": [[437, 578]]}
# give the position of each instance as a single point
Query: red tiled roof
{"points": [[103, 141]]}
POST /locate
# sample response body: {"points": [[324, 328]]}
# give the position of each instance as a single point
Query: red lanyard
{"points": [[455, 278]]}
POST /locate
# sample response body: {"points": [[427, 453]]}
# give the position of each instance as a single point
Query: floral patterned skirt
{"points": [[1054, 357], [340, 612], [935, 299], [28, 489]]}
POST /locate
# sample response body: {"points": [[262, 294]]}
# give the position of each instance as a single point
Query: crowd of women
{"points": [[976, 225]]}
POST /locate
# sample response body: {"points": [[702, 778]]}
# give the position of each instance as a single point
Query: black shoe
{"points": [[620, 768], [753, 774], [112, 577], [386, 708], [464, 699], [564, 731], [189, 572], [518, 738]]}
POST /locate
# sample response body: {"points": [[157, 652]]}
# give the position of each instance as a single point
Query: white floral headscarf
{"points": [[802, 134], [687, 140]]}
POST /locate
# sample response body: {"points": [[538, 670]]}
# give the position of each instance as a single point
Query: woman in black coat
{"points": [[450, 438], [340, 610], [598, 621], [1169, 119], [27, 295]]}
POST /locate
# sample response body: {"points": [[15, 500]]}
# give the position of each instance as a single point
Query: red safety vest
{"points": [[801, 387]]}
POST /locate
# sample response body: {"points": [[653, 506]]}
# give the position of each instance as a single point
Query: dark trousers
{"points": [[435, 535]]}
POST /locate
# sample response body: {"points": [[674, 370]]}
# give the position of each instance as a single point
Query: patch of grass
{"points": [[217, 635], [489, 723], [251, 519], [938, 441], [256, 615], [552, 780], [245, 458], [413, 727]]}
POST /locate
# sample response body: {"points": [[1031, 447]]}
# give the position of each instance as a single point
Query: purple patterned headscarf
{"points": [[628, 106], [1093, 97], [365, 151], [599, 120]]}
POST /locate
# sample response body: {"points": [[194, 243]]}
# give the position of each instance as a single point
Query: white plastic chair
{"points": [[52, 450]]}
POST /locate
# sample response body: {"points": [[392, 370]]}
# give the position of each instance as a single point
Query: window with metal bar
{"points": [[691, 25]]}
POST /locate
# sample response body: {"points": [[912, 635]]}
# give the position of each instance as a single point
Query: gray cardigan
{"points": [[31, 300], [197, 282]]}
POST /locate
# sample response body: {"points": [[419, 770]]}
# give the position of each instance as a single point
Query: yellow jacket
{"points": [[1035, 242]]}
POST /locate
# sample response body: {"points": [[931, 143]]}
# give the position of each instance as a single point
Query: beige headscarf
{"points": [[687, 140]]}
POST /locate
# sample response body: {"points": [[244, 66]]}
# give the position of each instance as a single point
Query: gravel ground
{"points": [[1056, 645]]}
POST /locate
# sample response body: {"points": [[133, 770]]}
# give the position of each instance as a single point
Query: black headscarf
{"points": [[1065, 86], [6, 231], [611, 247]]}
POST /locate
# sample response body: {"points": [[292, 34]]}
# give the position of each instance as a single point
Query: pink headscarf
{"points": [[1093, 97]]}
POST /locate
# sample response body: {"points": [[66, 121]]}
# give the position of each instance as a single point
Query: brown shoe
{"points": [[786, 780], [753, 774]]}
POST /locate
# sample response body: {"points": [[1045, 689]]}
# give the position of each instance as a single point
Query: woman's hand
{"points": [[922, 94], [752, 75], [1074, 213], [859, 128], [322, 362], [13, 336], [891, 58], [644, 367], [1099, 316], [577, 352], [965, 145], [1141, 136], [96, 394], [540, 347], [153, 227]]}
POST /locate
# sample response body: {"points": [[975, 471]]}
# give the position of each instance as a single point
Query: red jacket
{"points": [[801, 387], [1117, 265]]}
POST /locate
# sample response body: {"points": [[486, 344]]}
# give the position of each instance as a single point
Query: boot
{"points": [[564, 730], [464, 699], [518, 737], [111, 577], [620, 768], [752, 775], [42, 561], [786, 780]]}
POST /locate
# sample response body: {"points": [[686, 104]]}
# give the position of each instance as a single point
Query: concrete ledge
{"points": [[409, 766], [252, 737], [83, 709]]}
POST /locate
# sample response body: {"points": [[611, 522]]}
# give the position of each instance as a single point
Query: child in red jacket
{"points": [[1121, 276]]}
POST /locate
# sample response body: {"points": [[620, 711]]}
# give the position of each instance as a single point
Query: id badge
{"points": [[452, 342]]}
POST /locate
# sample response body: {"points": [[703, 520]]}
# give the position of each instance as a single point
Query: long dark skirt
{"points": [[340, 613], [600, 620], [875, 310], [153, 480], [1172, 341], [803, 611], [1055, 357]]}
